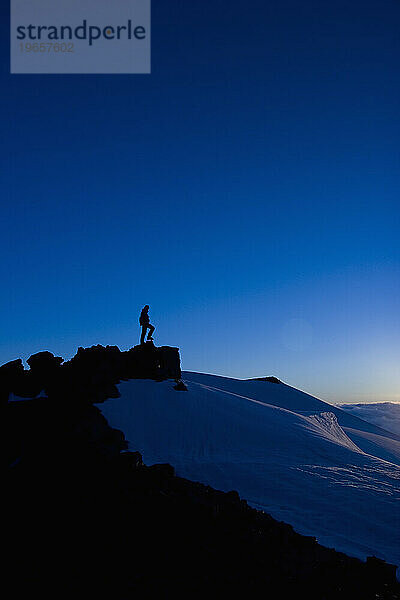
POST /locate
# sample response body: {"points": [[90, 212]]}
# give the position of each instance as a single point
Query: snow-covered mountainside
{"points": [[310, 464], [383, 414]]}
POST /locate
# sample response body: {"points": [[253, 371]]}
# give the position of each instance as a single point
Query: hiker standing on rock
{"points": [[144, 321]]}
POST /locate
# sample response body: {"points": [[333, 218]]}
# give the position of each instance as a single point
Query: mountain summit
{"points": [[111, 525]]}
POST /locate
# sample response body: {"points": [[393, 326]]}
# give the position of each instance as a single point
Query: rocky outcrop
{"points": [[91, 375], [180, 386], [270, 379], [147, 361], [10, 374]]}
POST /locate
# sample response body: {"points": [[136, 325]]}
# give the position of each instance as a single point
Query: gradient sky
{"points": [[248, 190]]}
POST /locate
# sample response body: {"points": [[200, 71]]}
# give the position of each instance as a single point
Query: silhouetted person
{"points": [[144, 321]]}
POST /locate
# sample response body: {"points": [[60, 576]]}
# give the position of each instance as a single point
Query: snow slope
{"points": [[285, 452]]}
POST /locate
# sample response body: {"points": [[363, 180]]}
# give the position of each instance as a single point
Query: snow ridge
{"points": [[301, 467], [329, 424]]}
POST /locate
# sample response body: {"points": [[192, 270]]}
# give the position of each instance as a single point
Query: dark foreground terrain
{"points": [[85, 518]]}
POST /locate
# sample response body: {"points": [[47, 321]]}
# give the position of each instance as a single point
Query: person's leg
{"points": [[151, 330], [144, 327]]}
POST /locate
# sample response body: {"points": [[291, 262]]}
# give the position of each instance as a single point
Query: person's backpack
{"points": [[144, 318]]}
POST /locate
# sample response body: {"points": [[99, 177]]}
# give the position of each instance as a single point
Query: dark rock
{"points": [[381, 570], [146, 361], [11, 370], [163, 470], [43, 374], [270, 379], [233, 496], [133, 460], [29, 385], [142, 362], [10, 375], [180, 386], [42, 362], [170, 363]]}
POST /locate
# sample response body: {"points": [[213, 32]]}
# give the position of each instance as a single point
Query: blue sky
{"points": [[248, 190]]}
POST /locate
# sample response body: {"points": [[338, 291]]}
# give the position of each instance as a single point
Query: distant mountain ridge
{"points": [[381, 414], [296, 400]]}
